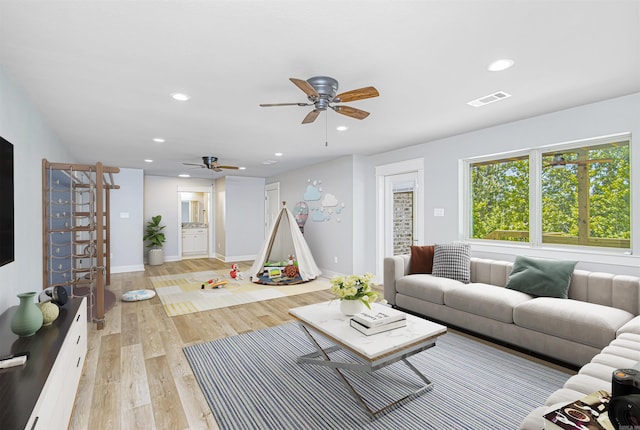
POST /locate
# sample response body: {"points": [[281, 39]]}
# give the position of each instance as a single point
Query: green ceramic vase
{"points": [[28, 319]]}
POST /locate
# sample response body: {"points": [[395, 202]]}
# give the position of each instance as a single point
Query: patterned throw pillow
{"points": [[453, 261]]}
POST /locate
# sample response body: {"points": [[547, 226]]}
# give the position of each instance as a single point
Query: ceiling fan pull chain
{"points": [[326, 120]]}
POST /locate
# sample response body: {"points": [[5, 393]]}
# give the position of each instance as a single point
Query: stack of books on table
{"points": [[377, 321]]}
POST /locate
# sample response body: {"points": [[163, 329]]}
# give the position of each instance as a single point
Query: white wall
{"points": [[238, 213], [328, 240], [162, 197], [220, 202], [244, 217], [441, 174], [23, 126], [126, 217]]}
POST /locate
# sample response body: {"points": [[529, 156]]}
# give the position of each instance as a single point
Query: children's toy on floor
{"points": [[214, 283], [235, 272]]}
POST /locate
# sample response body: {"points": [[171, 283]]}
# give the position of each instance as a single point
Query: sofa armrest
{"points": [[632, 326], [394, 268]]}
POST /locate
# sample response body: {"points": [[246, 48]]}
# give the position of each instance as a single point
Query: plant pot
{"points": [[155, 257], [351, 307]]}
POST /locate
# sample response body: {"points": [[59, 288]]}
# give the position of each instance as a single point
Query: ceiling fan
{"points": [[322, 91], [211, 163], [559, 160]]}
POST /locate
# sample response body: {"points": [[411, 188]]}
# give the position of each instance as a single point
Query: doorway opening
{"points": [[195, 219]]}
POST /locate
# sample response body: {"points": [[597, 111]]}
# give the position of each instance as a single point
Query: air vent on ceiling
{"points": [[500, 95]]}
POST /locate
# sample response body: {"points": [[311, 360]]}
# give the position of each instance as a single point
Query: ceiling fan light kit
{"points": [[322, 92]]}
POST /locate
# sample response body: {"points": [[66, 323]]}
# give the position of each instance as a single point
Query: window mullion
{"points": [[535, 198]]}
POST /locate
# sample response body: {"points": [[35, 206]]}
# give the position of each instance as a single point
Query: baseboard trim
{"points": [[126, 269], [234, 258]]}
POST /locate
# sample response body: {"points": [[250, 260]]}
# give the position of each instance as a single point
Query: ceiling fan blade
{"points": [[359, 94], [228, 167], [351, 111], [192, 164], [306, 87], [284, 104], [311, 116]]}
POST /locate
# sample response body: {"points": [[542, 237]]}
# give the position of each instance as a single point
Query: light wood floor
{"points": [[136, 375]]}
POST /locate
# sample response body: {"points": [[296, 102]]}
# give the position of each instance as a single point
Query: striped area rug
{"points": [[252, 381]]}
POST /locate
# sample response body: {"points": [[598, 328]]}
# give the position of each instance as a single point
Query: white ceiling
{"points": [[101, 72]]}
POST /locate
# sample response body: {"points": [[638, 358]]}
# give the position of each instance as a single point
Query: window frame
{"points": [[535, 196]]}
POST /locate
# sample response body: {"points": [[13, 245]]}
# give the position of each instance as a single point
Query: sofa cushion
{"points": [[582, 322], [612, 357], [587, 384], [632, 326], [545, 278], [485, 300], [421, 259], [453, 261], [426, 287], [563, 396], [627, 340]]}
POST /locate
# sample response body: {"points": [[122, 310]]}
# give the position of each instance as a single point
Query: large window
{"points": [[580, 196]]}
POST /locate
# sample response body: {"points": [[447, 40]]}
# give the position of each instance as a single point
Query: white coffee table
{"points": [[371, 352]]}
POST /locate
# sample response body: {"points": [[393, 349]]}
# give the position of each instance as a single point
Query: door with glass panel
{"points": [[401, 213]]}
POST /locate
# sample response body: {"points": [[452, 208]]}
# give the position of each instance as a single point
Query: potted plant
{"points": [[354, 292], [155, 238]]}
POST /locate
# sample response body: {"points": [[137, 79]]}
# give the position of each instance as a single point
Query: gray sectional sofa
{"points": [[597, 326]]}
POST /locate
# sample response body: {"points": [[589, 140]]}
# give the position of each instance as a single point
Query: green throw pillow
{"points": [[542, 278]]}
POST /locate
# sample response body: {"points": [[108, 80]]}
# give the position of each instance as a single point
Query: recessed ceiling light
{"points": [[269, 162], [500, 65], [181, 97], [184, 175], [242, 168], [158, 140], [278, 154], [342, 128], [148, 160]]}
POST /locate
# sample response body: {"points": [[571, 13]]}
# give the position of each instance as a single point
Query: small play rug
{"points": [[183, 293]]}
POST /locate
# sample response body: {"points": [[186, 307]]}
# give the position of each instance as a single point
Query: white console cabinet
{"points": [[41, 394], [194, 241]]}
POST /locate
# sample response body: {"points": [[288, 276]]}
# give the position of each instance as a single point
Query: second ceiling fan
{"points": [[211, 163], [322, 92]]}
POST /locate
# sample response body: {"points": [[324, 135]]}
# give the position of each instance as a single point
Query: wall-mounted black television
{"points": [[7, 235]]}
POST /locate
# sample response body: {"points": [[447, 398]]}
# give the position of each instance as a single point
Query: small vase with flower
{"points": [[354, 292]]}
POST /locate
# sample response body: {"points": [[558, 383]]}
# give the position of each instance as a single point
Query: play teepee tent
{"points": [[285, 246]]}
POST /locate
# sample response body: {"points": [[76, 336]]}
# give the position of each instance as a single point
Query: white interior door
{"points": [[272, 205], [391, 179]]}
